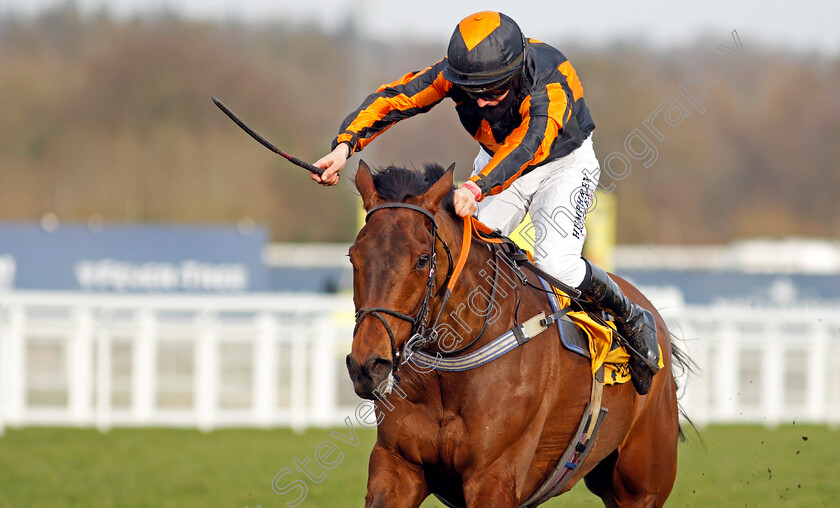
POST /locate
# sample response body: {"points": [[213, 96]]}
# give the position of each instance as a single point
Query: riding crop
{"points": [[264, 142]]}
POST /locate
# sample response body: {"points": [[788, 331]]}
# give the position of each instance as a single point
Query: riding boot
{"points": [[634, 323]]}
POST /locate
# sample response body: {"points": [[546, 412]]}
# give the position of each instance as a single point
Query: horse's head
{"points": [[394, 266]]}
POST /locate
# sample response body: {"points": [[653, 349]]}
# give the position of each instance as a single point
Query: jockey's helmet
{"points": [[486, 51]]}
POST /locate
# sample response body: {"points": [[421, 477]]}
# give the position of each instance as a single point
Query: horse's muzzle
{"points": [[370, 377]]}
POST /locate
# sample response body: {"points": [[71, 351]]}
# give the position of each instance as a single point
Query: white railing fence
{"points": [[768, 365], [197, 361], [278, 360]]}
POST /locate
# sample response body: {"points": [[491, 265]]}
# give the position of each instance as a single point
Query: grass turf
{"points": [[733, 466]]}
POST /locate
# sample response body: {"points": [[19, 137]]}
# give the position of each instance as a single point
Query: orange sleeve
{"points": [[414, 93], [543, 113]]}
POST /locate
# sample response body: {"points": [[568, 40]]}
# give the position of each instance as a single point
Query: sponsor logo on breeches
{"points": [[582, 201]]}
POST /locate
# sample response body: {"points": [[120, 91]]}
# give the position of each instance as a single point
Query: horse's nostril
{"points": [[378, 368], [381, 368]]}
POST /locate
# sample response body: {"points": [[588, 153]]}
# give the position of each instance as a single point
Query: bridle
{"points": [[421, 332]]}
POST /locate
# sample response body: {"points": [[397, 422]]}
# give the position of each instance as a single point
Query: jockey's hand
{"points": [[464, 201], [332, 163]]}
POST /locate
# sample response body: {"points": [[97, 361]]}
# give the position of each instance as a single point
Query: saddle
{"points": [[582, 335]]}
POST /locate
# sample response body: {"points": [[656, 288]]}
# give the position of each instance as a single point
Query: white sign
{"points": [[189, 275]]}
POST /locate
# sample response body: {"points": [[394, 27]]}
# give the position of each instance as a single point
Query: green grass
{"points": [[734, 466]]}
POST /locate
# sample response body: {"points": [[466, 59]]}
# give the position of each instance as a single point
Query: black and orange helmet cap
{"points": [[486, 47]]}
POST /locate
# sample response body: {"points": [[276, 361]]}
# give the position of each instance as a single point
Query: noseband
{"points": [[420, 332]]}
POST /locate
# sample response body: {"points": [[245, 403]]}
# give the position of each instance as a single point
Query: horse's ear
{"points": [[432, 198], [364, 184]]}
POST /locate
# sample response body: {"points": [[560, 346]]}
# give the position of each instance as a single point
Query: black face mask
{"points": [[505, 108]]}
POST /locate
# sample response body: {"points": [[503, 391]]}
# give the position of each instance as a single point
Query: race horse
{"points": [[490, 436]]}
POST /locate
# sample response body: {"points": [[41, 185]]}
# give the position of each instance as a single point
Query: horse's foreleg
{"points": [[393, 482]]}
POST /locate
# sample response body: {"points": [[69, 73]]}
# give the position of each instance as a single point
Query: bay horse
{"points": [[490, 436]]}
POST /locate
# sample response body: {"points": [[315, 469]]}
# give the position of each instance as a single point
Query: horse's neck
{"points": [[471, 305]]}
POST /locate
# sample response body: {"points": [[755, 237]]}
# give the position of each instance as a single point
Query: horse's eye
{"points": [[422, 261]]}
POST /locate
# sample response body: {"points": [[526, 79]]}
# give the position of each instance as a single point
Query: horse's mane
{"points": [[396, 184]]}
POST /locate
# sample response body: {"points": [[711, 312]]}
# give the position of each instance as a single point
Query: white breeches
{"points": [[557, 195]]}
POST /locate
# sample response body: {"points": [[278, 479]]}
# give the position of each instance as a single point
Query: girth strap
{"points": [[579, 447], [575, 453]]}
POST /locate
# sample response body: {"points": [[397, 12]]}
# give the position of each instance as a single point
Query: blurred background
{"points": [[159, 269]]}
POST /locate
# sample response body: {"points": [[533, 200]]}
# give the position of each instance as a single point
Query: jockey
{"points": [[522, 101]]}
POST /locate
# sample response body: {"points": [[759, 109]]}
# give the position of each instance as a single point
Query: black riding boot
{"points": [[634, 323]]}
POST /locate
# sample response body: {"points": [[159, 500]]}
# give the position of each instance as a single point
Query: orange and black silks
{"points": [[543, 119]]}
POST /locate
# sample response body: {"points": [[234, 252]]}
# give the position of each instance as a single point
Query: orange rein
{"points": [[471, 225]]}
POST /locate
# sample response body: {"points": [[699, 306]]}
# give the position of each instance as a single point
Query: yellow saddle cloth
{"points": [[601, 351]]}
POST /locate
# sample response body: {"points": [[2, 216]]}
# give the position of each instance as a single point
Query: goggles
{"points": [[485, 93], [491, 91]]}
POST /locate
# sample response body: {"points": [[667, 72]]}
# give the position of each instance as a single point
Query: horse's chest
{"points": [[451, 446], [459, 438]]}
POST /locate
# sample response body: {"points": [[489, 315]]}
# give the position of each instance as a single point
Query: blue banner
{"points": [[132, 258]]}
